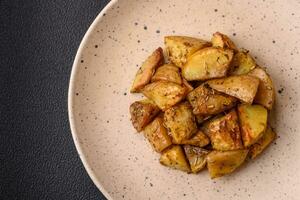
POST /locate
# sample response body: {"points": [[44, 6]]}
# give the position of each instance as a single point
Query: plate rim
{"points": [[71, 93]]}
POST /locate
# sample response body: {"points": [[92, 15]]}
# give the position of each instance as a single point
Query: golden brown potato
{"points": [[164, 94], [206, 101], [224, 132], [268, 137], [223, 41], [207, 63], [157, 134], [144, 74], [242, 63], [187, 85], [167, 72], [220, 163], [265, 94], [142, 112], [199, 139], [174, 157], [181, 47], [180, 122], [243, 87], [253, 121], [196, 157]]}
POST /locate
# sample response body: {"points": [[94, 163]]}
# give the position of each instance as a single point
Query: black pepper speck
{"points": [[145, 27], [125, 93], [216, 10], [96, 46], [157, 31], [136, 23], [274, 41], [234, 34], [82, 61]]}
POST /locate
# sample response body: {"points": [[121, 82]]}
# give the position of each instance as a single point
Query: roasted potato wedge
{"points": [[164, 94], [207, 63], [242, 63], [196, 157], [199, 139], [142, 112], [223, 41], [167, 72], [243, 87], [268, 137], [144, 74], [181, 47], [224, 132], [174, 157], [220, 163], [206, 101], [253, 121], [265, 94], [180, 122], [157, 134]]}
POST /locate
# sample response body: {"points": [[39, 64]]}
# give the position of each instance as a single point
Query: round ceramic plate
{"points": [[121, 162]]}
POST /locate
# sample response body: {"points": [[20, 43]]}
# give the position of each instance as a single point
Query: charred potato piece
{"points": [[243, 87], [265, 94], [144, 74], [268, 137], [174, 157], [223, 41], [220, 163], [181, 47], [207, 63], [164, 94], [206, 101], [224, 132], [242, 63], [180, 122], [167, 72], [253, 121], [142, 112], [199, 139], [196, 157], [157, 134]]}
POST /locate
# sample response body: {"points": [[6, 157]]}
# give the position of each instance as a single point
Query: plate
{"points": [[121, 162]]}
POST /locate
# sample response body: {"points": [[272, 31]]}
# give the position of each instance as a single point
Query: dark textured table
{"points": [[39, 40]]}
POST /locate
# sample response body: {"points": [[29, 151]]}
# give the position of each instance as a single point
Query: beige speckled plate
{"points": [[121, 162]]}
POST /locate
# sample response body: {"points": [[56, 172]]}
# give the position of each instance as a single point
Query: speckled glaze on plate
{"points": [[121, 162]]}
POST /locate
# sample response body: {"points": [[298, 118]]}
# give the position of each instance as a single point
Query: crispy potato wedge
{"points": [[199, 139], [157, 134], [196, 157], [187, 85], [180, 122], [174, 157], [223, 41], [242, 63], [207, 63], [181, 47], [224, 132], [268, 137], [220, 163], [243, 87], [142, 112], [253, 122], [206, 101], [144, 74], [164, 94], [167, 72], [265, 94]]}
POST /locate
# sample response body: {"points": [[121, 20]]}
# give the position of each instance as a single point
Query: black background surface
{"points": [[38, 42]]}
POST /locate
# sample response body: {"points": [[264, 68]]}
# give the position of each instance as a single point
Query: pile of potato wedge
{"points": [[207, 104]]}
